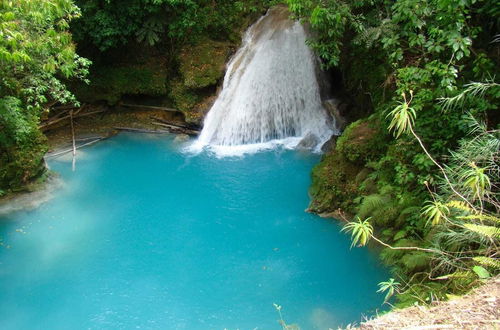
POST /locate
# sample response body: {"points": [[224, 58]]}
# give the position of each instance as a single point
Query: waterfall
{"points": [[270, 93]]}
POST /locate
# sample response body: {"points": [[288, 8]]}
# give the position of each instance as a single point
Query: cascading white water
{"points": [[270, 93]]}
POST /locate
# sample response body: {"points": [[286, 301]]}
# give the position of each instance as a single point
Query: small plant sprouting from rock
{"points": [[281, 321], [390, 287]]}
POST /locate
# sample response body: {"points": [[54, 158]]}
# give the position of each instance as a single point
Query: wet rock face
{"points": [[330, 144], [337, 110], [310, 141]]}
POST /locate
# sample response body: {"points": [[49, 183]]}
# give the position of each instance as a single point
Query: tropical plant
{"points": [[402, 117], [390, 286], [361, 231], [427, 69], [37, 56], [435, 212]]}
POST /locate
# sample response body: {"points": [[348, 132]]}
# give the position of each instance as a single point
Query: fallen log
{"points": [[128, 105], [185, 125], [59, 153], [177, 129], [65, 107], [63, 115], [140, 130], [46, 125]]}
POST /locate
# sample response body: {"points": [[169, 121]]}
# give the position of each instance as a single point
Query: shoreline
{"points": [[88, 130]]}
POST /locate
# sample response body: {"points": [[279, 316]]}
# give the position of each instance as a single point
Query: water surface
{"points": [[145, 236]]}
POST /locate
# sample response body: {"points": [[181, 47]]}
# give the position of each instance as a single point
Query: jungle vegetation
{"points": [[417, 172]]}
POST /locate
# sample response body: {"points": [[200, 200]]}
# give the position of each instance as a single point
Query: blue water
{"points": [[144, 236]]}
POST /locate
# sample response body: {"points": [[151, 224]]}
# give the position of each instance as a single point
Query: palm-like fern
{"points": [[474, 89], [476, 180], [361, 231], [435, 212], [402, 117], [371, 203], [390, 286], [488, 262]]}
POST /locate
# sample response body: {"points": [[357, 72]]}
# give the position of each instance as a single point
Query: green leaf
{"points": [[390, 286], [435, 212], [481, 272], [361, 231], [402, 118]]}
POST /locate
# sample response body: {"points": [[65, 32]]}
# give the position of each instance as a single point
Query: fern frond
{"points": [[480, 217], [371, 203], [488, 231], [474, 89], [488, 262], [459, 205]]}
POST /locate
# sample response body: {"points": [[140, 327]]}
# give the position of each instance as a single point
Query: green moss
{"points": [[362, 141], [333, 183], [203, 64], [184, 98], [337, 179], [112, 82], [422, 293]]}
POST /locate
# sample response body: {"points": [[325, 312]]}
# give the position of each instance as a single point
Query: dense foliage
{"points": [[36, 54], [181, 46], [430, 69], [107, 25]]}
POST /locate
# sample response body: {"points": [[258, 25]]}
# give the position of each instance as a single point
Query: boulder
{"points": [[310, 141], [180, 138], [330, 144]]}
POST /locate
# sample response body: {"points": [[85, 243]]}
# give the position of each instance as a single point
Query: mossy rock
{"points": [[184, 98], [333, 183], [203, 64], [338, 178], [110, 83], [362, 141]]}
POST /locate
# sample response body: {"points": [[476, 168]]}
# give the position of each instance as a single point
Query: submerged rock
{"points": [[181, 138], [310, 141]]}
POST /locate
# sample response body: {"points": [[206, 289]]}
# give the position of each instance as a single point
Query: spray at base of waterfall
{"points": [[246, 149]]}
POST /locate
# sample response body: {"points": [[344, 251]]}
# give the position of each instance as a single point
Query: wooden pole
{"points": [[73, 137]]}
